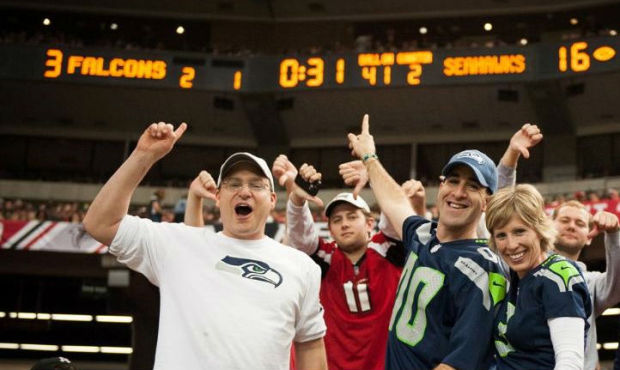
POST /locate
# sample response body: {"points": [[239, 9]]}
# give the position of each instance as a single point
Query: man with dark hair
{"points": [[451, 283]]}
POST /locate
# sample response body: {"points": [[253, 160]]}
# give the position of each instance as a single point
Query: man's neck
{"points": [[445, 234], [571, 255], [355, 255]]}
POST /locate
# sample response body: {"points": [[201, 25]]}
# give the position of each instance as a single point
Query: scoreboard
{"points": [[405, 69]]}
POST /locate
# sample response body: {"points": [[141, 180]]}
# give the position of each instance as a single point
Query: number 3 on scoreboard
{"points": [[426, 282]]}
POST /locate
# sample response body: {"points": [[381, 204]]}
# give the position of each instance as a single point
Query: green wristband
{"points": [[368, 156]]}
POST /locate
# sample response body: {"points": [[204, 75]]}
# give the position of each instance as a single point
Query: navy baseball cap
{"points": [[480, 163]]}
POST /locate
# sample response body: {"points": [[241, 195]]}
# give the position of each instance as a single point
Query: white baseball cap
{"points": [[347, 198], [241, 157]]}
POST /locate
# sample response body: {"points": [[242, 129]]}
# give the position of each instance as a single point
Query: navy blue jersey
{"points": [[555, 288], [447, 298]]}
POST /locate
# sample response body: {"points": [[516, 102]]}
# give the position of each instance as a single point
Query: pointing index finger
{"points": [[365, 125]]}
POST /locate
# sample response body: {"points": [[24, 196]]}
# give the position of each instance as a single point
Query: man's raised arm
{"points": [[390, 196], [203, 186], [300, 230], [112, 202], [525, 138]]}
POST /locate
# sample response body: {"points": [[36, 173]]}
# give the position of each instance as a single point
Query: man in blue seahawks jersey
{"points": [[452, 283]]}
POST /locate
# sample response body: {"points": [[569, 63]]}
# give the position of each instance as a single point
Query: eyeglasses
{"points": [[236, 185]]}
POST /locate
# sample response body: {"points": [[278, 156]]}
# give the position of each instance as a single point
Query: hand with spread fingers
{"points": [[159, 138], [354, 174], [414, 190], [363, 145], [203, 186], [527, 137], [603, 222], [285, 172]]}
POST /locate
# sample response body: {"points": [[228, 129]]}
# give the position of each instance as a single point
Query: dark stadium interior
{"points": [[75, 134]]}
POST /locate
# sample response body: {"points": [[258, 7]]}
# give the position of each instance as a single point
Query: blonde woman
{"points": [[543, 319]]}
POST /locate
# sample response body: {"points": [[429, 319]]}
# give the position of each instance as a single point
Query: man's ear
{"points": [[370, 224], [274, 200], [485, 200], [217, 198]]}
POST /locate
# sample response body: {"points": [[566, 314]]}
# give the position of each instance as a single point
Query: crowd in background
{"points": [[71, 211]]}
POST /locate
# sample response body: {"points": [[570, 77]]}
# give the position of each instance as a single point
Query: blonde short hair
{"points": [[525, 202], [575, 204]]}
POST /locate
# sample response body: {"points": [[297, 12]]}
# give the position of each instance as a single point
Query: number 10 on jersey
{"points": [[417, 286]]}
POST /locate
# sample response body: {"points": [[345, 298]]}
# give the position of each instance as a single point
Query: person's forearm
{"points": [[506, 176], [193, 211], [389, 195], [311, 355], [300, 229], [510, 158], [568, 341], [112, 202], [608, 288]]}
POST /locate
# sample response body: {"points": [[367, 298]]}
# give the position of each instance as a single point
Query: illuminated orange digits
{"points": [[340, 71], [188, 76], [289, 72], [413, 77], [579, 61], [237, 80], [54, 62], [370, 73], [315, 72], [562, 59]]}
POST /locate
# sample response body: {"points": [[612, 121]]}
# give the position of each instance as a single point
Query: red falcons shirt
{"points": [[358, 301]]}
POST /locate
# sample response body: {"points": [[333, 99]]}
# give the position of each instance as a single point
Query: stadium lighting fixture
{"points": [[84, 349], [114, 319], [488, 26], [613, 32], [180, 30], [610, 345], [9, 346], [70, 317], [113, 26], [121, 350], [574, 21], [611, 311], [39, 347], [46, 21], [26, 315], [423, 30], [523, 41]]}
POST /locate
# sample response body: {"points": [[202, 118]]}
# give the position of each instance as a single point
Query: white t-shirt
{"points": [[225, 303]]}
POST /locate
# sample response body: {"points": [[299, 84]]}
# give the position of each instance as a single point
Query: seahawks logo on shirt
{"points": [[250, 269]]}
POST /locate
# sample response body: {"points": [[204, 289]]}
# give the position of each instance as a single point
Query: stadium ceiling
{"points": [[310, 10]]}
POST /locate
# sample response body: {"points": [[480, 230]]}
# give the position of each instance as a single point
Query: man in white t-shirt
{"points": [[231, 300]]}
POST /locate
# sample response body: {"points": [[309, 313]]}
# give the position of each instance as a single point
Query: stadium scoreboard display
{"points": [[413, 69]]}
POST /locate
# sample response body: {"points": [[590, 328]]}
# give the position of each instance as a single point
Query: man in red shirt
{"points": [[360, 272]]}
